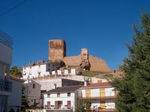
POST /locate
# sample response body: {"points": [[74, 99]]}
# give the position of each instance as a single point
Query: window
{"points": [[102, 92], [69, 104], [109, 91], [33, 85], [68, 94], [48, 104], [88, 93], [58, 94]]}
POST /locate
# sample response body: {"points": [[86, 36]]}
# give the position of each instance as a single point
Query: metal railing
{"points": [[5, 39], [5, 85]]}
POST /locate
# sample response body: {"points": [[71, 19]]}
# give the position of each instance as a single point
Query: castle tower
{"points": [[85, 64], [57, 49]]}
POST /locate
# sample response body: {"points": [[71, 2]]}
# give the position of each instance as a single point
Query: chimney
{"points": [[86, 83]]}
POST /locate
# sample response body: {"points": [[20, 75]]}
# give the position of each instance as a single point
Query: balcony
{"points": [[101, 97], [5, 85]]}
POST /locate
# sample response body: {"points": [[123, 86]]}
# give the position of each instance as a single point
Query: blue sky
{"points": [[102, 26]]}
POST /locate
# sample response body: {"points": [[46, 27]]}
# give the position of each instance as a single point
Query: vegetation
{"points": [[15, 71], [83, 106], [134, 87]]}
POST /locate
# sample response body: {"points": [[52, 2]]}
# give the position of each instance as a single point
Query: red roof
{"points": [[97, 85]]}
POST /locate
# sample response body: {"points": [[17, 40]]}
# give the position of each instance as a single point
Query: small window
{"points": [[68, 94], [58, 94], [69, 104], [33, 85]]}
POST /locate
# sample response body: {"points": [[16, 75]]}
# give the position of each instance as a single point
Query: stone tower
{"points": [[85, 64], [57, 49], [84, 54]]}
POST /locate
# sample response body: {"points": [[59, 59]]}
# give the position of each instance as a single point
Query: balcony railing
{"points": [[100, 97], [5, 85]]}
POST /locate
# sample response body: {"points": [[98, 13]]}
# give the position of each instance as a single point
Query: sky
{"points": [[102, 26]]}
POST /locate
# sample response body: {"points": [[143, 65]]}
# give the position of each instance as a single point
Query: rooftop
{"points": [[97, 85], [64, 89]]}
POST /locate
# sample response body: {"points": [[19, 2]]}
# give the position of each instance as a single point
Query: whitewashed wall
{"points": [[35, 71], [49, 84], [40, 71]]}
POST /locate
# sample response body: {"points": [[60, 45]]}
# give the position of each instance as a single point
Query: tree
{"points": [[83, 105], [15, 71], [134, 87]]}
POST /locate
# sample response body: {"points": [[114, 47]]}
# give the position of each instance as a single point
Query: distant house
{"points": [[61, 99], [42, 70], [101, 95], [32, 92], [14, 99]]}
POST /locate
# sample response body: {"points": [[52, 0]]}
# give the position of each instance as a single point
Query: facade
{"points": [[33, 89], [101, 95], [5, 61], [15, 98], [32, 93], [61, 99]]}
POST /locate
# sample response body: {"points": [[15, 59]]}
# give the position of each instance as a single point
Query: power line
{"points": [[12, 8]]}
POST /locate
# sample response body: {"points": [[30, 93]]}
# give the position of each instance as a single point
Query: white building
{"points": [[35, 70], [41, 69], [32, 92], [61, 99], [5, 61], [101, 95], [15, 98]]}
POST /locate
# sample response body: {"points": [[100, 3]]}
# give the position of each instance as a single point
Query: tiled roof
{"points": [[98, 85], [64, 89]]}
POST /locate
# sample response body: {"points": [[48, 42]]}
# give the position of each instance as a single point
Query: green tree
{"points": [[83, 105], [15, 71], [134, 87]]}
